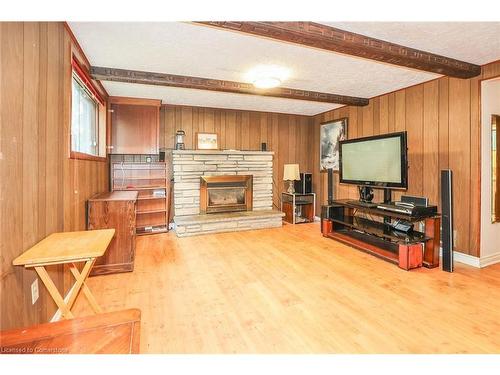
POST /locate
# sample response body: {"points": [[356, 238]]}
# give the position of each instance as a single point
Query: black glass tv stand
{"points": [[362, 204], [368, 229]]}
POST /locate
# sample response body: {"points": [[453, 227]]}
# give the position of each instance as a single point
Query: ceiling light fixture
{"points": [[267, 76], [266, 82]]}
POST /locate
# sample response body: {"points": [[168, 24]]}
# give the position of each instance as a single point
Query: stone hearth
{"points": [[188, 168], [192, 225]]}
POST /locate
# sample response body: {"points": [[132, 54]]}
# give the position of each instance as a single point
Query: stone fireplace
{"points": [[223, 191], [226, 194]]}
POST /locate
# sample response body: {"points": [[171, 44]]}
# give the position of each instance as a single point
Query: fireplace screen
{"points": [[225, 194]]}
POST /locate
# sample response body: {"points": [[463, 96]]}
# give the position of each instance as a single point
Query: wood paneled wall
{"points": [[42, 190], [286, 135], [442, 118]]}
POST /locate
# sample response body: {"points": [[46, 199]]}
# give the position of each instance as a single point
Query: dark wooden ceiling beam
{"points": [[171, 80], [336, 40]]}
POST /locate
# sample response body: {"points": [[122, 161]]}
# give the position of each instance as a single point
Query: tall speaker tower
{"points": [[447, 218]]}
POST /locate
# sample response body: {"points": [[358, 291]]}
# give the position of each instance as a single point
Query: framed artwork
{"points": [[331, 133], [206, 141]]}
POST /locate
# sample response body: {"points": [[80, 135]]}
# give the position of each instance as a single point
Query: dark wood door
{"points": [[134, 129]]}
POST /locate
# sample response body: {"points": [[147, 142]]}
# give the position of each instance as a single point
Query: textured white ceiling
{"points": [[213, 99], [195, 50], [474, 42]]}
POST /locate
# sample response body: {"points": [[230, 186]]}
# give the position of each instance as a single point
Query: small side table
{"points": [[298, 208], [68, 248]]}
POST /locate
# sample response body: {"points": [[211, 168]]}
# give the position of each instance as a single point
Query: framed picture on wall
{"points": [[206, 141], [331, 133]]}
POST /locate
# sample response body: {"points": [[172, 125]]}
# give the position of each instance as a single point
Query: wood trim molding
{"points": [[86, 79], [229, 110], [134, 101], [77, 51], [329, 38], [83, 156], [171, 80]]}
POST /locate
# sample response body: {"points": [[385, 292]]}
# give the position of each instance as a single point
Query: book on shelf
{"points": [[158, 229]]}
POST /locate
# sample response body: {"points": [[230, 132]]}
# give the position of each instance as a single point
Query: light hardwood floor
{"points": [[290, 290]]}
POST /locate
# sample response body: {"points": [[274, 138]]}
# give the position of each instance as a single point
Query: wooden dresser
{"points": [[114, 210]]}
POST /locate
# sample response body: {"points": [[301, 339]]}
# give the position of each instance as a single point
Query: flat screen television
{"points": [[377, 161]]}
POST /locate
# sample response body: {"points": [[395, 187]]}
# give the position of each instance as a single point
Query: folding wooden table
{"points": [[68, 248]]}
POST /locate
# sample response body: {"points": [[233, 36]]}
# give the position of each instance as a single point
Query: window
{"points": [[87, 120], [84, 120]]}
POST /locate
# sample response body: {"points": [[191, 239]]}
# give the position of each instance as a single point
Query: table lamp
{"points": [[291, 174]]}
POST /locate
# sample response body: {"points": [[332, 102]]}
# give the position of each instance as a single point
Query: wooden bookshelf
{"points": [[151, 181]]}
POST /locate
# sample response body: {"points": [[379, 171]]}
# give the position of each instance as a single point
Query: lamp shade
{"points": [[291, 172]]}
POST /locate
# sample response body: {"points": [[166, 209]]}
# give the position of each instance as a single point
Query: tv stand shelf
{"points": [[368, 244], [381, 230], [342, 221], [377, 211]]}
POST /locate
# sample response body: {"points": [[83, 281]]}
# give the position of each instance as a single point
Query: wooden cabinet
{"points": [[135, 126], [114, 210]]}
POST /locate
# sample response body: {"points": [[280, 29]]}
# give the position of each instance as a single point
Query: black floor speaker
{"points": [[331, 186], [304, 185], [447, 219]]}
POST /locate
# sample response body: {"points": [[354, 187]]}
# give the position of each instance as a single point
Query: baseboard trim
{"points": [[489, 260], [475, 261], [58, 314], [463, 258], [466, 259]]}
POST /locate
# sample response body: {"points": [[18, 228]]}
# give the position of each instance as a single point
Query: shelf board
{"points": [[302, 203], [152, 232], [347, 239], [127, 163], [161, 228], [381, 230], [151, 197], [141, 188], [151, 211], [137, 169], [380, 212], [140, 178], [162, 224]]}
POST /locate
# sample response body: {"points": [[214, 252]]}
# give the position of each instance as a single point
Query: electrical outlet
{"points": [[454, 236], [34, 291]]}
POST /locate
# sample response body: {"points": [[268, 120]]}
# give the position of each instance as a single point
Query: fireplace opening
{"points": [[226, 193]]}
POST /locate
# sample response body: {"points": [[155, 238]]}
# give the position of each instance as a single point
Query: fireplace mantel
{"points": [[220, 152]]}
